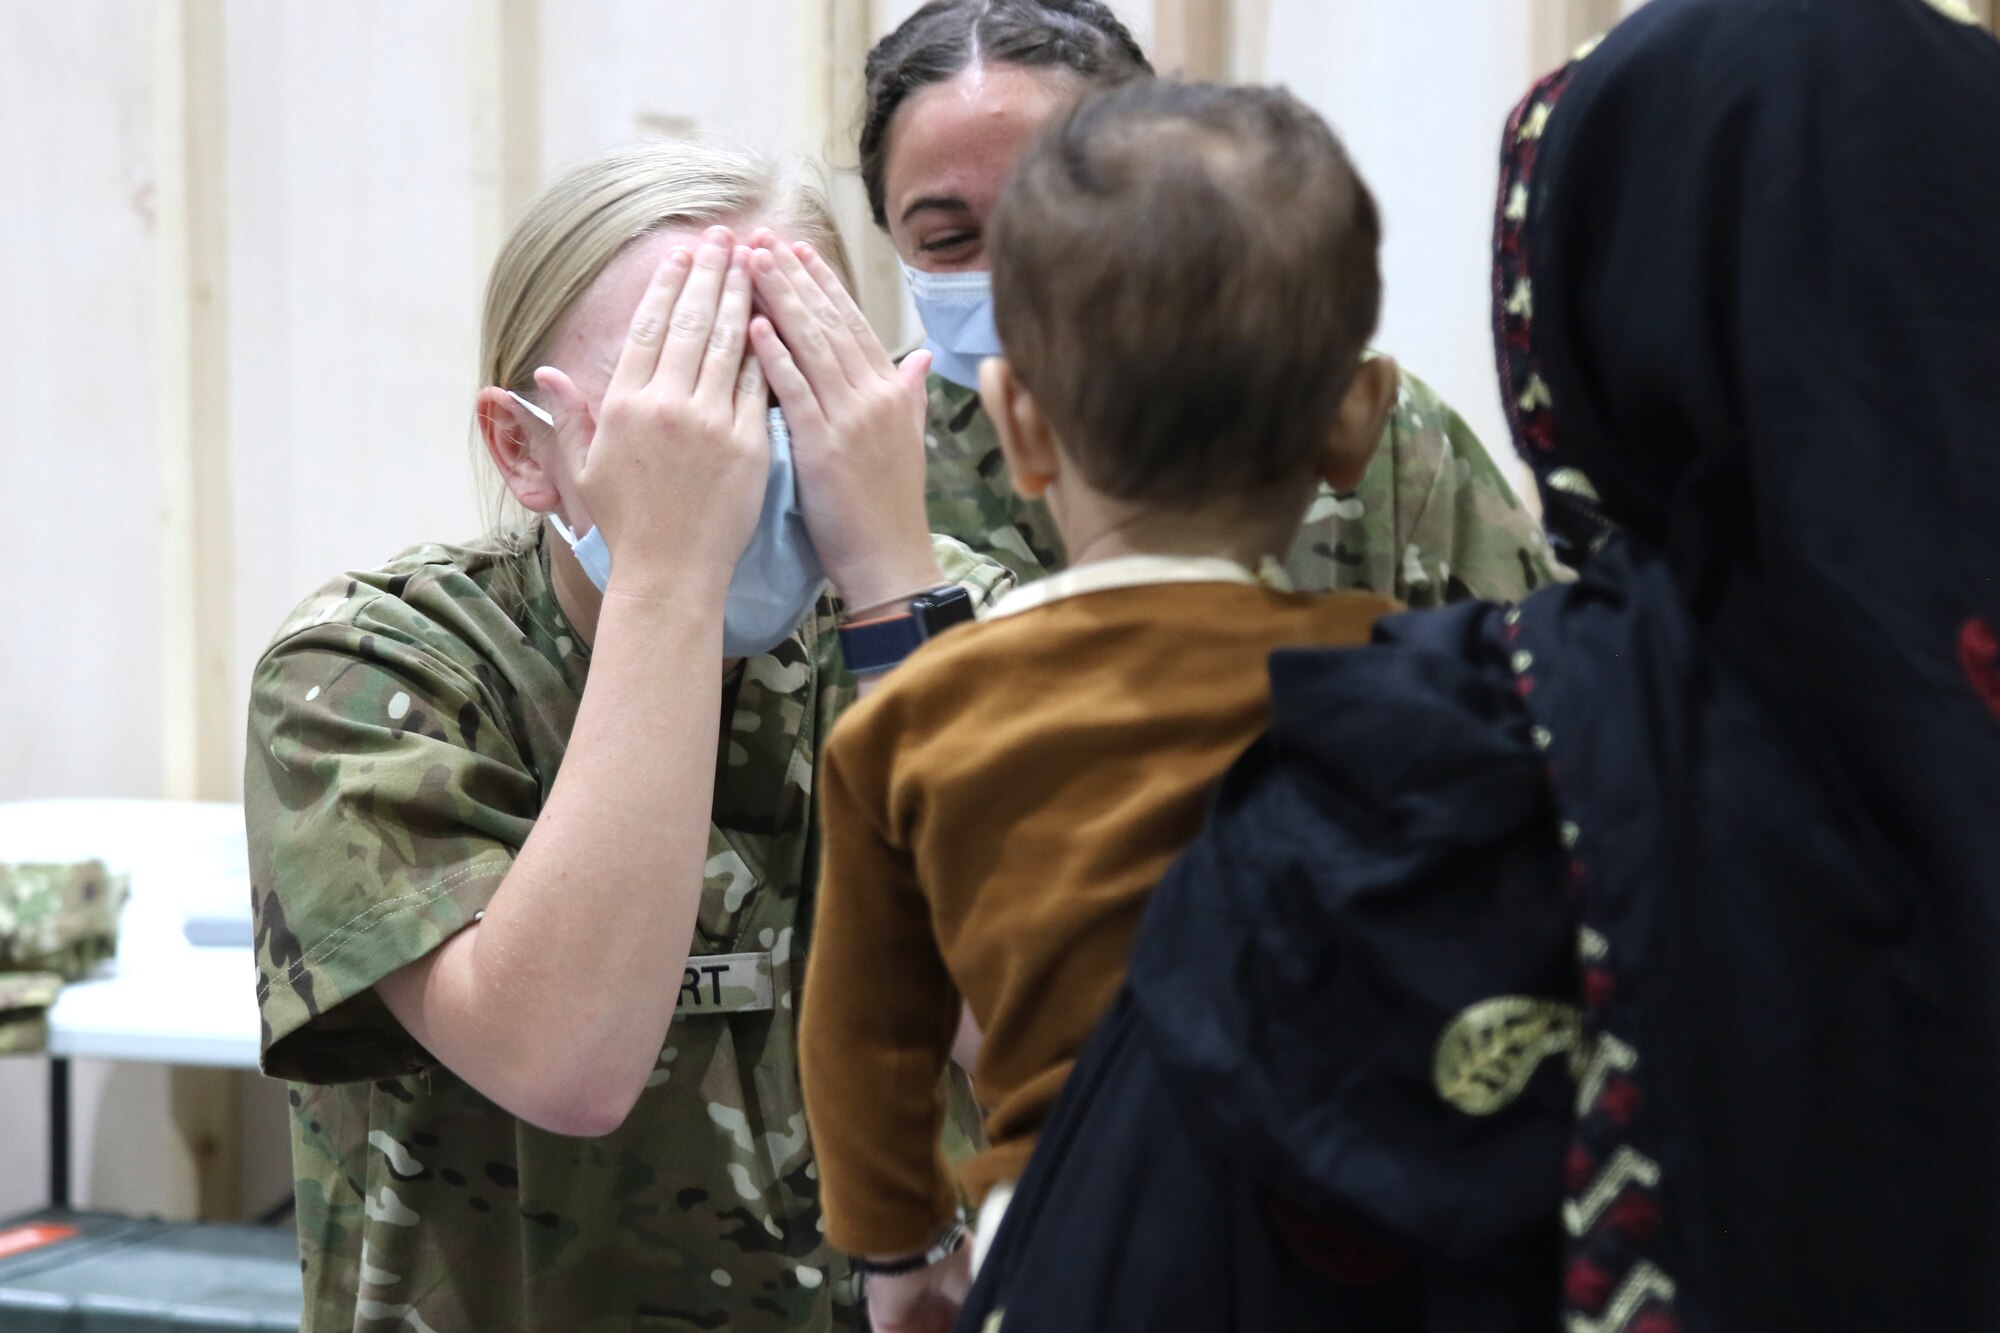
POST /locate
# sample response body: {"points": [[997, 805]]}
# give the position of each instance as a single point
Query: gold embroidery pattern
{"points": [[1605, 1055], [1487, 1054], [1627, 1166], [1644, 1283], [1956, 10]]}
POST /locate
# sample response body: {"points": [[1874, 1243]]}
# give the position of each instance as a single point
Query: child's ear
{"points": [[1363, 415], [1026, 442]]}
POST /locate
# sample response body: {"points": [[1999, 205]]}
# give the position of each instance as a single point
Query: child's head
{"points": [[1185, 282]]}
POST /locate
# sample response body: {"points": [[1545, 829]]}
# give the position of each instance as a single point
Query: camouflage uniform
{"points": [[56, 923], [1432, 522], [406, 726]]}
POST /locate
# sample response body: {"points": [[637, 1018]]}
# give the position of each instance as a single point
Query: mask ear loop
{"points": [[542, 415], [562, 529]]}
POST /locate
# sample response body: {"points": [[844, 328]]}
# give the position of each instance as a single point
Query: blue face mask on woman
{"points": [[957, 311], [778, 577]]}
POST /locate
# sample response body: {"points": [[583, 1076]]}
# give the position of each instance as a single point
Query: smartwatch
{"points": [[878, 643]]}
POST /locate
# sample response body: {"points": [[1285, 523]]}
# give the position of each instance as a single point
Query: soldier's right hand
{"points": [[673, 473]]}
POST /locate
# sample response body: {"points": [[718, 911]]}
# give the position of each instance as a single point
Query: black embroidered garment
{"points": [[1640, 947]]}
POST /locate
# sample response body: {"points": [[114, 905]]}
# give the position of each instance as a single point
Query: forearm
{"points": [[557, 1003]]}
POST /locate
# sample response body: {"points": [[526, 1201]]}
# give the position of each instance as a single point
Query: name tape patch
{"points": [[725, 983]]}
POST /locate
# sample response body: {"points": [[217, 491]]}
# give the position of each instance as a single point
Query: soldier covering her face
{"points": [[529, 850]]}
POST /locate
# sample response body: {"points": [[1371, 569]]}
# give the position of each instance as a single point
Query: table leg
{"points": [[59, 1133]]}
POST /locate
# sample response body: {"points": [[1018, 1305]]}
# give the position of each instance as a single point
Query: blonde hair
{"points": [[576, 227]]}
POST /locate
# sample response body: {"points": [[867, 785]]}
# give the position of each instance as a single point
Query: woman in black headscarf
{"points": [[1633, 954]]}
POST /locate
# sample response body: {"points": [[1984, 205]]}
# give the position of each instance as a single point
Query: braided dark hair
{"points": [[945, 37]]}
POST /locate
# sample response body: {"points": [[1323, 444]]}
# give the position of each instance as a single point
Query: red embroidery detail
{"points": [[1620, 1100], [1636, 1214], [1586, 1285], [1578, 1169], [1335, 1252], [1656, 1321], [1979, 658], [1524, 685], [1597, 987]]}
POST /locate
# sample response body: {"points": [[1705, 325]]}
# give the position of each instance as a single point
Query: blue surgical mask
{"points": [[957, 311], [778, 577]]}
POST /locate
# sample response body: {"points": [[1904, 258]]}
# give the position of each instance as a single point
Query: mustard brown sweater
{"points": [[994, 817]]}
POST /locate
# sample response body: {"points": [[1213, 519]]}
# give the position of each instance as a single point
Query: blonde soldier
{"points": [[955, 95], [530, 818]]}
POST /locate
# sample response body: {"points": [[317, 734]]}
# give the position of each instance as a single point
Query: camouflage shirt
{"points": [[1433, 521], [57, 921], [406, 726]]}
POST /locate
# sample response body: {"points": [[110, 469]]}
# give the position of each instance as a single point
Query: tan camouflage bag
{"points": [[56, 923], [25, 998]]}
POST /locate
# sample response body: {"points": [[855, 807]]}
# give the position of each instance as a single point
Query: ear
{"points": [[1364, 413], [1026, 442], [507, 429]]}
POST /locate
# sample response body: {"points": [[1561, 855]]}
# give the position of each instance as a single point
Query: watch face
{"points": [[941, 608]]}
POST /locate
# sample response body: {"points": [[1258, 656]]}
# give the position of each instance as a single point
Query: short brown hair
{"points": [[1185, 277]]}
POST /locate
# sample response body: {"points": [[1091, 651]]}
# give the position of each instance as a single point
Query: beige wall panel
{"points": [[1193, 39], [357, 259], [81, 693], [777, 75], [24, 1131], [615, 69], [1420, 104], [79, 681]]}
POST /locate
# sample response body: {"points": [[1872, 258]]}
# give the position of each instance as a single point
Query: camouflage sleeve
{"points": [[1434, 520], [969, 495], [383, 804], [1496, 547], [985, 576]]}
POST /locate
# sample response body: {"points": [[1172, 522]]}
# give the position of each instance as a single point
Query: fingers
{"points": [[753, 393], [787, 380], [915, 373], [648, 330], [875, 355], [848, 352], [788, 294], [573, 423], [728, 339], [692, 323]]}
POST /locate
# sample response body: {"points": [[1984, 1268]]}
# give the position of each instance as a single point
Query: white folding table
{"points": [[161, 1000]]}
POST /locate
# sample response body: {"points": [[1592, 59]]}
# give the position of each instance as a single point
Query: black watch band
{"points": [[947, 1245], [880, 643]]}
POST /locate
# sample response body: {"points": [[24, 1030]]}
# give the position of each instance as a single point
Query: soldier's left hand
{"points": [[857, 425]]}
